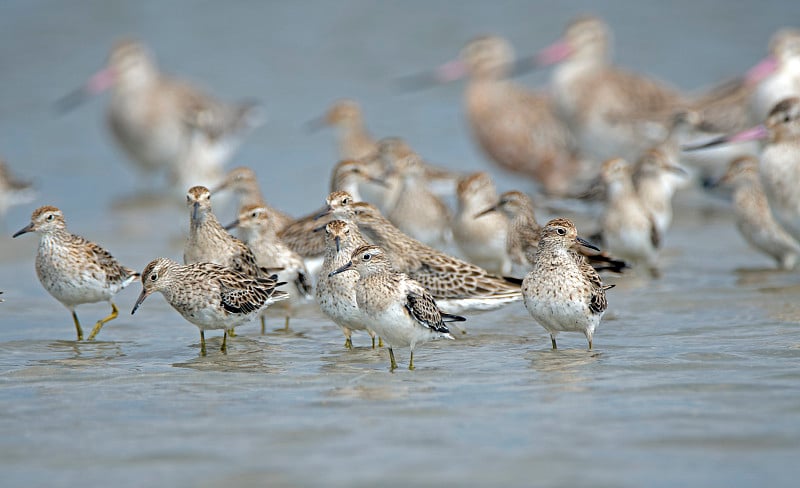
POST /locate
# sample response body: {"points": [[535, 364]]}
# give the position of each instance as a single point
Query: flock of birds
{"points": [[372, 257]]}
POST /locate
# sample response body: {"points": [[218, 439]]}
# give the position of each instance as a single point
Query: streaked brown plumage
{"points": [[75, 270], [455, 284], [208, 295], [563, 293], [209, 242]]}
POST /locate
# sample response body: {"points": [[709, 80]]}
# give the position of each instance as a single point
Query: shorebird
{"points": [[301, 237], [259, 231], [522, 238], [74, 270], [629, 231], [753, 217], [456, 285], [208, 295], [416, 210], [563, 293], [656, 177], [353, 175], [243, 183], [612, 112], [12, 190], [481, 240], [779, 165], [162, 123], [515, 127], [355, 142], [209, 242], [403, 312], [777, 77], [336, 294]]}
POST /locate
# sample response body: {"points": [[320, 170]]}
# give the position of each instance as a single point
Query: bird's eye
{"points": [[345, 201], [254, 214], [786, 118], [50, 217], [153, 276], [367, 257], [561, 231]]}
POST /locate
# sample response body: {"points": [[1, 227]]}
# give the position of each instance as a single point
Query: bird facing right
{"points": [[563, 293]]}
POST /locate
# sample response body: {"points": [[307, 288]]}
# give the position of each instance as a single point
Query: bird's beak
{"points": [[316, 124], [195, 211], [678, 170], [762, 70], [24, 230], [493, 208], [232, 225], [338, 241], [583, 242], [445, 73], [144, 294], [378, 181], [219, 187], [751, 134], [342, 269], [323, 213], [99, 82]]}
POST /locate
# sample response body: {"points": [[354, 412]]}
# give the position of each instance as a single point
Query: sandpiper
{"points": [[417, 211], [777, 77], [612, 112], [629, 231], [514, 126], [657, 176], [74, 270], [336, 294], [753, 217], [563, 293], [522, 238], [13, 191], [163, 123], [481, 240], [456, 285], [300, 235], [402, 311], [243, 183], [354, 140], [260, 234], [209, 242], [351, 175], [208, 295], [779, 162]]}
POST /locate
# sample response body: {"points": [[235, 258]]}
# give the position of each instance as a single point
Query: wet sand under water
{"points": [[694, 379]]}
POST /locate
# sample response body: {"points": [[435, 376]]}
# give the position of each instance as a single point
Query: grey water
{"points": [[694, 380]]}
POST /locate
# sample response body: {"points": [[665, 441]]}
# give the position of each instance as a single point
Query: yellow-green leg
{"points": [[411, 362], [553, 341], [380, 342], [77, 325], [224, 347], [101, 322], [286, 324], [263, 325], [232, 333], [393, 365], [202, 343], [348, 343], [590, 344]]}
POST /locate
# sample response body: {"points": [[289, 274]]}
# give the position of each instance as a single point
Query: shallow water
{"points": [[694, 379]]}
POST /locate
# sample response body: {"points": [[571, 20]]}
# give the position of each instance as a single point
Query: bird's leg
{"points": [[232, 333], [393, 365], [411, 362], [380, 341], [224, 347], [590, 343], [77, 325], [101, 322], [348, 343], [286, 324], [202, 343], [553, 341], [263, 325], [372, 335]]}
